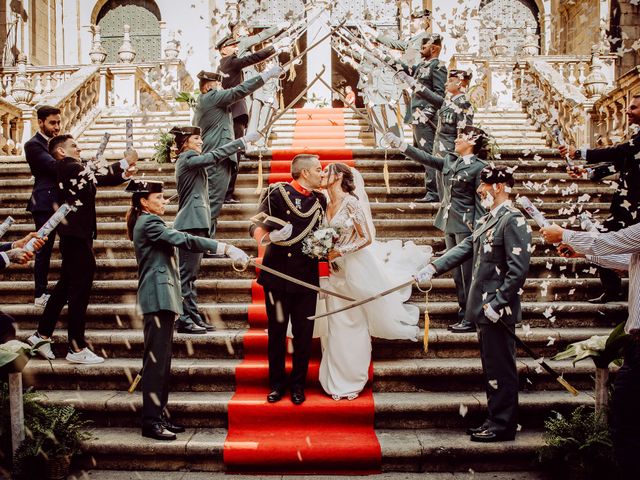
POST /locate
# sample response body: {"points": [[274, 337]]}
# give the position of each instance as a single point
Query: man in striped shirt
{"points": [[621, 251]]}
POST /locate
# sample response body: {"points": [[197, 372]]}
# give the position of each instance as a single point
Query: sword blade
{"points": [[366, 300]]}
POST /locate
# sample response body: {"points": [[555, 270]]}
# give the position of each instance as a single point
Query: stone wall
{"points": [[43, 37], [575, 26], [625, 24]]}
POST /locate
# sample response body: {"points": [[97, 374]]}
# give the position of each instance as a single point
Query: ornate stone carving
{"points": [[530, 45], [596, 83], [22, 91], [97, 54], [126, 53], [172, 49]]}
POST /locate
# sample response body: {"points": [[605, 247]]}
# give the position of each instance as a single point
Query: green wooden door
{"points": [[145, 32]]}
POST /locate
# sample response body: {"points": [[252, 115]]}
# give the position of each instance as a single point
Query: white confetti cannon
{"points": [[586, 224], [559, 138], [533, 211], [103, 145], [129, 132], [6, 225], [50, 224]]}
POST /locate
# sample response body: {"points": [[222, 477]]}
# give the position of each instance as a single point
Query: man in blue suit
{"points": [[44, 197]]}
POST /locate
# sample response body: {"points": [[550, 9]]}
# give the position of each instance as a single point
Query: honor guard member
{"points": [[461, 205], [429, 74], [159, 296], [193, 214], [231, 66], [501, 250], [289, 212], [213, 116], [420, 22]]}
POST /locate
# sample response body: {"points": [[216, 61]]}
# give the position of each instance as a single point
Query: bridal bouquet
{"points": [[319, 243]]}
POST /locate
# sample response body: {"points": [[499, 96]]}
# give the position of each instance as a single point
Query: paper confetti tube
{"points": [[6, 225], [586, 224], [533, 211], [50, 225], [129, 129], [103, 145]]}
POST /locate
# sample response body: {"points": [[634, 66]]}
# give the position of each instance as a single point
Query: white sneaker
{"points": [[84, 356], [42, 300], [45, 348]]}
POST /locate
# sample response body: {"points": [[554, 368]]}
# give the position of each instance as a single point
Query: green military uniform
{"points": [[213, 116], [459, 210], [194, 216], [500, 248]]}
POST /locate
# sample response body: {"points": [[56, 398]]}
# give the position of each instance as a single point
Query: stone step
{"points": [[546, 312], [406, 450], [218, 375], [228, 343], [406, 410]]}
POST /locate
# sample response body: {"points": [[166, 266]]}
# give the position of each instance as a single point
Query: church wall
{"points": [[575, 27], [625, 24], [43, 28]]}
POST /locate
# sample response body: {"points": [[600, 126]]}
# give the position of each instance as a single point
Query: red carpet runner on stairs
{"points": [[321, 435]]}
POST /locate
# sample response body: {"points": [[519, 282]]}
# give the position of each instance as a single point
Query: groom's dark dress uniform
{"points": [[286, 301]]}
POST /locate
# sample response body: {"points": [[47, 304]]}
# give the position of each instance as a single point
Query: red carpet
{"points": [[320, 436]]}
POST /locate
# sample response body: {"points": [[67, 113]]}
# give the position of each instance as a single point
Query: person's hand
{"points": [[490, 313], [394, 141], [567, 151], [37, 245], [568, 252], [19, 255], [407, 79], [273, 72], [281, 235], [236, 254], [131, 156], [333, 254], [426, 274], [552, 233], [250, 138], [576, 172]]}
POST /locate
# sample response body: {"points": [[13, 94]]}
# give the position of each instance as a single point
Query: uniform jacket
{"points": [[192, 185], [500, 248], [213, 115], [432, 76], [305, 213], [460, 208], [77, 188], [454, 114], [45, 193], [158, 274], [232, 66], [625, 204], [4, 247]]}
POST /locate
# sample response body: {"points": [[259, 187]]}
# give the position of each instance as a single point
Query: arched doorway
{"points": [[144, 18], [511, 18]]}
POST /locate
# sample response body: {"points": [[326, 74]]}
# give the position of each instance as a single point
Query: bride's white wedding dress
{"points": [[363, 272]]}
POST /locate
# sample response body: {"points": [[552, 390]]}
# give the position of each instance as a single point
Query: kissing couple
{"points": [[289, 212]]}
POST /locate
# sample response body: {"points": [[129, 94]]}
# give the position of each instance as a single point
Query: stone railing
{"points": [[43, 80], [168, 78], [12, 128], [609, 117]]}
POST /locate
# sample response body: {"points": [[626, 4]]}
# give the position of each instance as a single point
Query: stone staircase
{"points": [[423, 401]]}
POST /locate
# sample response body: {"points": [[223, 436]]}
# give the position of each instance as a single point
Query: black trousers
{"points": [[158, 343], [283, 308], [43, 256], [7, 327], [462, 274], [423, 138], [498, 355], [74, 287], [239, 127], [625, 414]]}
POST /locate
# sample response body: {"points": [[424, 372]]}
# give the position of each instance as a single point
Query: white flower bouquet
{"points": [[320, 242]]}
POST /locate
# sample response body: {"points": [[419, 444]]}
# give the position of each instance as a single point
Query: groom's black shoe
{"points": [[462, 327], [481, 428], [491, 436], [275, 396], [297, 396]]}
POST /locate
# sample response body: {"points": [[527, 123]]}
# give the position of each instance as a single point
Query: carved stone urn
{"points": [[530, 46], [126, 54], [97, 54], [595, 84], [22, 91], [172, 49]]}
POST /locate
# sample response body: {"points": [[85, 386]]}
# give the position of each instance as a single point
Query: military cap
{"points": [[211, 76], [226, 42], [420, 13], [434, 39], [190, 130], [497, 174], [462, 74], [144, 186]]}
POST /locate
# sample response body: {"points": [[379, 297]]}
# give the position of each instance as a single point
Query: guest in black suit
{"points": [[78, 188], [44, 197], [300, 209]]}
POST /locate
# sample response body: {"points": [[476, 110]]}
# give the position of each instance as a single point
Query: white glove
{"points": [[406, 78], [281, 235], [283, 25], [395, 141], [283, 45], [235, 254], [490, 313], [250, 138], [273, 72], [425, 274], [369, 30], [357, 48]]}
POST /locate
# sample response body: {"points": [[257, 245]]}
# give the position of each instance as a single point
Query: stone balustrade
{"points": [[609, 117], [15, 124], [43, 80]]}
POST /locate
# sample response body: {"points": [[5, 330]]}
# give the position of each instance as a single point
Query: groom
{"points": [[288, 212]]}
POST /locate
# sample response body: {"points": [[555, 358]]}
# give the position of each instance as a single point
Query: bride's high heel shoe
{"points": [[352, 396], [336, 397]]}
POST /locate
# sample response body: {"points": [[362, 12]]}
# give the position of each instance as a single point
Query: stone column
{"points": [[125, 85], [320, 55]]}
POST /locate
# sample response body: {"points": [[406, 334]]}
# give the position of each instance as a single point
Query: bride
{"points": [[362, 267]]}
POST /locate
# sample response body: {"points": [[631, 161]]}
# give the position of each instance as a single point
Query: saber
{"points": [[314, 45], [291, 279], [572, 390], [408, 283]]}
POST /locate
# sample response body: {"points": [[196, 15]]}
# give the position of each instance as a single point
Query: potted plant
{"points": [[54, 436]]}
